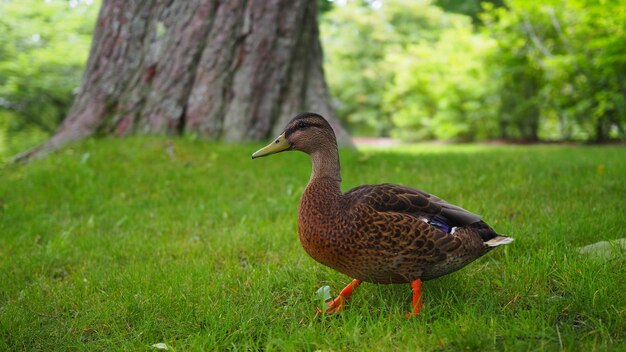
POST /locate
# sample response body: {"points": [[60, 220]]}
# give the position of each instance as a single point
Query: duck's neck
{"points": [[326, 167]]}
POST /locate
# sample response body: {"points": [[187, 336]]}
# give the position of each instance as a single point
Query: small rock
{"points": [[604, 249], [161, 346]]}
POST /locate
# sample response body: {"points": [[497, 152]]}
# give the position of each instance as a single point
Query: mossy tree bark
{"points": [[233, 70]]}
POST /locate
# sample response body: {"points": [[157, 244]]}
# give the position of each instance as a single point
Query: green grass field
{"points": [[122, 244]]}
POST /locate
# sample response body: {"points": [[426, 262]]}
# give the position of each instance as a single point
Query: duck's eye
{"points": [[301, 125]]}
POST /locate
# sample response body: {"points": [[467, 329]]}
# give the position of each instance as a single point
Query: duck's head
{"points": [[307, 132]]}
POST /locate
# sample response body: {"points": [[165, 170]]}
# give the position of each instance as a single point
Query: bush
{"points": [[43, 50], [553, 70]]}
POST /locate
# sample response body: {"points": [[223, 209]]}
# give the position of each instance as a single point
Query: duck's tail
{"points": [[486, 233], [498, 241]]}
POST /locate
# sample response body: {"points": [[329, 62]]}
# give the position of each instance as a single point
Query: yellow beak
{"points": [[278, 145]]}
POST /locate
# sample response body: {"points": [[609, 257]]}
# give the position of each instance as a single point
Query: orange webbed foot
{"points": [[416, 304], [337, 304]]}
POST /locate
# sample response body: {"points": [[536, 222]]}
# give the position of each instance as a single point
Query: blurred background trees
{"points": [[472, 70], [232, 70], [43, 51], [414, 70]]}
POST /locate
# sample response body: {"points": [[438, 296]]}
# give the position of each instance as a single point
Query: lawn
{"points": [[121, 244]]}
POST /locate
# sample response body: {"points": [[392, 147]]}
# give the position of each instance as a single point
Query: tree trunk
{"points": [[233, 70], [602, 129]]}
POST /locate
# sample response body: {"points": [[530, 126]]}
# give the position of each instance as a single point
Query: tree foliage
{"points": [[471, 8], [359, 39], [560, 68], [444, 96], [43, 49], [551, 70]]}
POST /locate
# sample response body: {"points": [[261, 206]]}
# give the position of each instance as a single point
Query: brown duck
{"points": [[387, 234]]}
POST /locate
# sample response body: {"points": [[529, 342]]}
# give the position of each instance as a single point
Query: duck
{"points": [[380, 233]]}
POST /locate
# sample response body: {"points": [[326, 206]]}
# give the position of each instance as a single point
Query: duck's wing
{"points": [[411, 201]]}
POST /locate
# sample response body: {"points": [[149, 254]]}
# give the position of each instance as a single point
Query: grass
{"points": [[122, 244]]}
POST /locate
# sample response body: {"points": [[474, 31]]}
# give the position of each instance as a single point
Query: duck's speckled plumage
{"points": [[382, 233], [378, 233]]}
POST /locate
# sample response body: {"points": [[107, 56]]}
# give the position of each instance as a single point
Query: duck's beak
{"points": [[278, 145]]}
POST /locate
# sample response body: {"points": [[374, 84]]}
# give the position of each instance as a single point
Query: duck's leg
{"points": [[416, 286], [336, 305]]}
